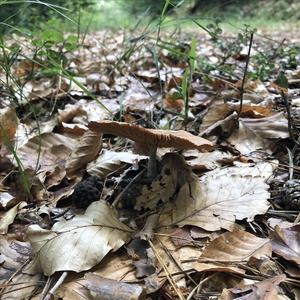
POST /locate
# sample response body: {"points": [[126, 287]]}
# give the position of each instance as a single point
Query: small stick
{"points": [[59, 282], [245, 74]]}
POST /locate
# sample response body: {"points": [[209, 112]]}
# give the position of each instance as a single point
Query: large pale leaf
{"points": [[220, 197], [78, 244]]}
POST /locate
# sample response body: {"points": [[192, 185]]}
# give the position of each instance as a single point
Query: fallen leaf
{"points": [[287, 243], [109, 161], [8, 217], [264, 290], [272, 127], [236, 246], [103, 288], [8, 124], [87, 150], [246, 141], [220, 197], [80, 243]]}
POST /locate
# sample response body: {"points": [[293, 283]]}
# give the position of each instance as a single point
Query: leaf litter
{"points": [[133, 182]]}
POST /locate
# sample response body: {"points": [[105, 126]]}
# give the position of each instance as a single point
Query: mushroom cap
{"points": [[150, 138]]}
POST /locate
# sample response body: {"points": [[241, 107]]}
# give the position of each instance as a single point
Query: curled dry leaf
{"points": [[236, 246], [287, 243], [8, 124], [89, 146], [150, 138], [220, 197], [78, 244]]}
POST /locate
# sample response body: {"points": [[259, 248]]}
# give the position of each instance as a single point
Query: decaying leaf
{"points": [[206, 160], [247, 141], [80, 243], [14, 282], [272, 127], [9, 217], [103, 288], [236, 246], [152, 137], [220, 197], [109, 161], [287, 243], [8, 124], [47, 151], [87, 150], [173, 175], [266, 290]]}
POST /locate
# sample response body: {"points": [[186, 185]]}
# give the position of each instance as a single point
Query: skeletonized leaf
{"points": [[109, 161], [87, 150], [220, 197], [78, 244]]}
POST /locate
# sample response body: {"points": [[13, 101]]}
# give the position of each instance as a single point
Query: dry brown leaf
{"points": [[152, 137], [272, 127], [47, 151], [13, 257], [8, 217], [173, 175], [247, 141], [109, 161], [236, 246], [89, 146], [103, 288], [220, 197], [287, 243], [207, 160], [8, 124], [80, 243], [217, 111], [263, 290]]}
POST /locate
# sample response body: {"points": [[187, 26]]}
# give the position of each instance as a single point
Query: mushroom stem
{"points": [[152, 163]]}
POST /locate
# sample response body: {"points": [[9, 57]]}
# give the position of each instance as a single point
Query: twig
{"points": [[245, 74], [59, 282], [164, 266]]}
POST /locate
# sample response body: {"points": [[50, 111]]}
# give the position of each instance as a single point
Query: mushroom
{"points": [[96, 81], [150, 139]]}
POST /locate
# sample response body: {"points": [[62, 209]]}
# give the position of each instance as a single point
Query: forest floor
{"points": [[150, 165]]}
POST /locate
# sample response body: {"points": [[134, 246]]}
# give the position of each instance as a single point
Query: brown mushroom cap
{"points": [[150, 138]]}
